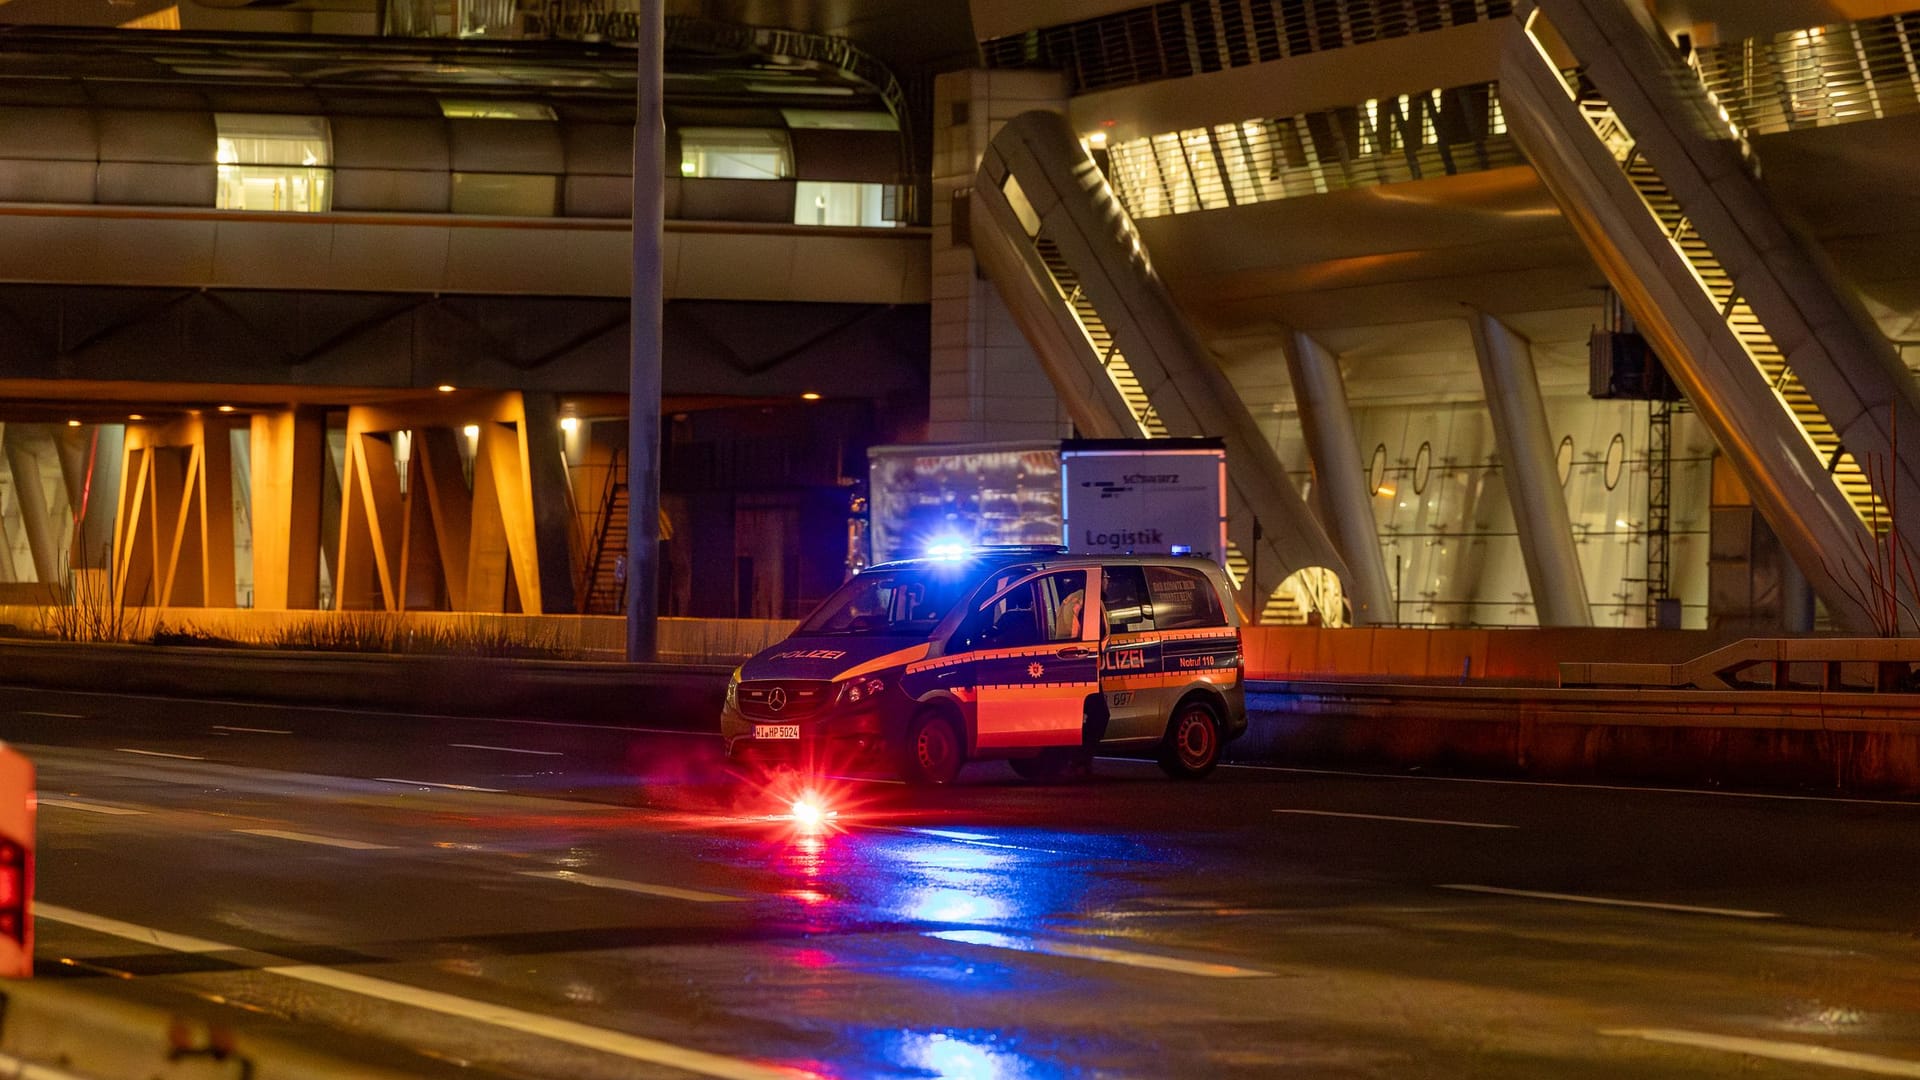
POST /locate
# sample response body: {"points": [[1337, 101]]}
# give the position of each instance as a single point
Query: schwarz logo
{"points": [[776, 699]]}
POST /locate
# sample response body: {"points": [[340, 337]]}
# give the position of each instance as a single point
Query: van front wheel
{"points": [[932, 753], [1191, 748]]}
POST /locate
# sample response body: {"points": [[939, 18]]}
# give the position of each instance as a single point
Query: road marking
{"points": [[449, 787], [667, 891], [506, 749], [309, 838], [1390, 817], [55, 715], [251, 730], [1101, 953], [1907, 803], [1735, 913], [158, 753], [1799, 1053], [91, 808], [632, 1047]]}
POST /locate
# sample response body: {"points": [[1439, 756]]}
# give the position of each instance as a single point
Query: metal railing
{"points": [[1818, 77], [1188, 37], [1385, 141]]}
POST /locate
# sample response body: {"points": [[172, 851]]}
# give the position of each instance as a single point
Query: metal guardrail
{"points": [[1859, 665], [1189, 37]]}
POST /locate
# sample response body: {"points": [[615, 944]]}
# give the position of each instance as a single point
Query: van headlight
{"points": [[733, 688], [864, 688]]}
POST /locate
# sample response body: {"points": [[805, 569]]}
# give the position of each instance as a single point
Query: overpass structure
{"points": [[339, 321]]}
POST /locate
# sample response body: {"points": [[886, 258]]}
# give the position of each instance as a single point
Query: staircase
{"points": [[1846, 472], [1111, 358], [1281, 608], [604, 591]]}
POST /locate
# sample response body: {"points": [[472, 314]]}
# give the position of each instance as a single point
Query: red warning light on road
{"points": [[16, 864]]}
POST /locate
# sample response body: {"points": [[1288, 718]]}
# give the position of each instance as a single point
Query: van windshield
{"points": [[909, 601]]}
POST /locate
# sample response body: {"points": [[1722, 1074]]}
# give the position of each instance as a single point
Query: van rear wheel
{"points": [[932, 752], [1191, 748]]}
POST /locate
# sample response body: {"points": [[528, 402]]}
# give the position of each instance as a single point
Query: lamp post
{"points": [[643, 373]]}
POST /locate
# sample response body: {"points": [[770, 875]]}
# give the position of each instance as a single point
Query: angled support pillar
{"points": [[368, 566], [1346, 505], [1533, 482], [174, 537], [552, 516], [23, 461], [90, 460], [439, 502], [288, 451]]}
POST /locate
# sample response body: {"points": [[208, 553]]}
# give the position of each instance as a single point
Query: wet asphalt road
{"points": [[449, 897]]}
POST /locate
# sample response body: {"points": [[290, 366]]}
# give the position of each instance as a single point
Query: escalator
{"points": [[1063, 255], [1799, 388]]}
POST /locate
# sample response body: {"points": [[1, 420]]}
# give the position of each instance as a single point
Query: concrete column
{"points": [[1527, 461], [985, 381], [288, 451], [23, 460], [645, 316], [1341, 482]]}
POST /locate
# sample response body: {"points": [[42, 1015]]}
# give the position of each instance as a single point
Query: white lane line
{"points": [[1798, 1053], [1101, 953], [1528, 894], [632, 1047], [158, 753], [91, 808], [310, 838], [448, 787], [1390, 817], [506, 749], [252, 730], [55, 715], [667, 891], [1909, 804]]}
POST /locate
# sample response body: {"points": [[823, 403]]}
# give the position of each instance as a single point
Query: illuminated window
{"points": [[274, 162], [478, 109], [824, 202], [735, 153]]}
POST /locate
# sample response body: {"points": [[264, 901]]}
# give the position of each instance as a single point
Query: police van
{"points": [[1031, 655]]}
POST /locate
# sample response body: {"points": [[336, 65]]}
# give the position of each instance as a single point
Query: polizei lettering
{"points": [[810, 654], [1124, 538]]}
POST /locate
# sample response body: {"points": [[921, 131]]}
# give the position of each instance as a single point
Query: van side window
{"points": [[1124, 594], [1182, 599], [1040, 611]]}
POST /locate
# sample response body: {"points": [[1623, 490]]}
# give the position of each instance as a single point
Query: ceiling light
{"points": [[226, 408], [445, 388], [809, 396], [569, 424], [73, 423], [471, 431], [135, 416]]}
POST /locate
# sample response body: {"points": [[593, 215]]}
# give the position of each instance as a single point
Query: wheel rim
{"points": [[935, 749], [1194, 739]]}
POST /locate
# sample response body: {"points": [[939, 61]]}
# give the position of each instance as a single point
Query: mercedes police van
{"points": [[1028, 654]]}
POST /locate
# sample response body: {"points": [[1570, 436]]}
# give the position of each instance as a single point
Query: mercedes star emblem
{"points": [[776, 699]]}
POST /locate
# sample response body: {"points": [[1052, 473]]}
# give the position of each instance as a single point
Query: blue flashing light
{"points": [[1183, 549], [947, 549]]}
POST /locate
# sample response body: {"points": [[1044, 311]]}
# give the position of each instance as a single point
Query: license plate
{"points": [[776, 731]]}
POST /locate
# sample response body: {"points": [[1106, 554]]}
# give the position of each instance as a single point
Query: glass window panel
{"points": [[842, 203], [735, 153], [273, 162], [473, 109], [505, 194]]}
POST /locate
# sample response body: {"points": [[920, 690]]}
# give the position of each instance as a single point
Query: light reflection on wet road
{"points": [[623, 910]]}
